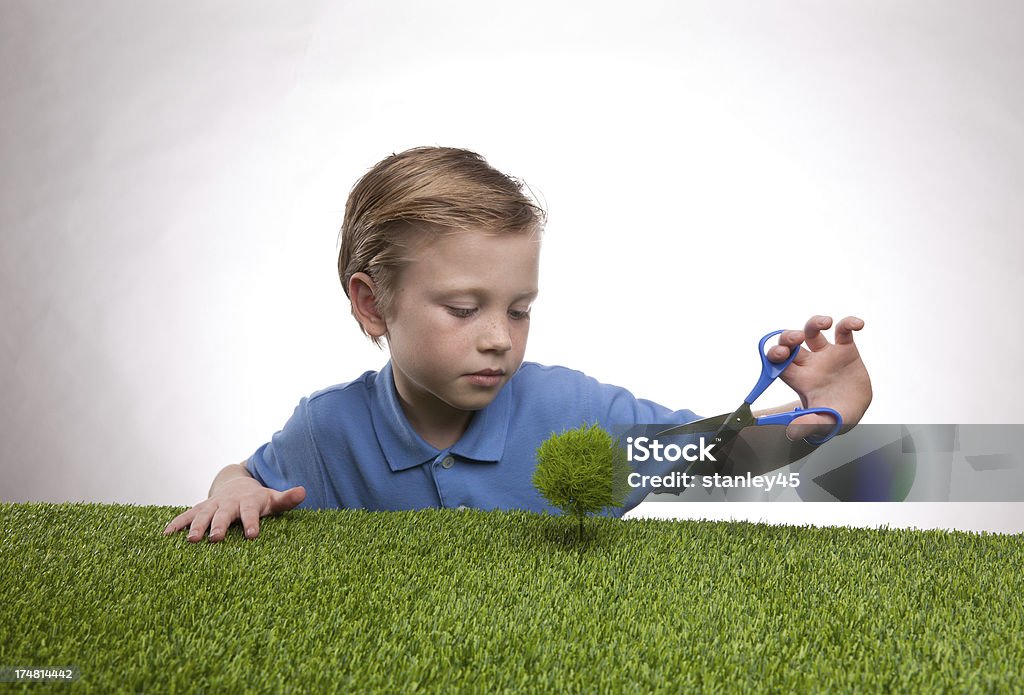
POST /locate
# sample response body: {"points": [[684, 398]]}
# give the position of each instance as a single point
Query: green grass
{"points": [[487, 602]]}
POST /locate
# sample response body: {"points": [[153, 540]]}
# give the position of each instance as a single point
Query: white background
{"points": [[173, 178]]}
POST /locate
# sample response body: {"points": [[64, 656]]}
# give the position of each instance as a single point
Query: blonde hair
{"points": [[425, 191]]}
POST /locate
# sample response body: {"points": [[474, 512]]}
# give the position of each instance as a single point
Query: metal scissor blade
{"points": [[708, 424], [734, 424]]}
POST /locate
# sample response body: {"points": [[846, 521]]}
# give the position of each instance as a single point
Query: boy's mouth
{"points": [[486, 377]]}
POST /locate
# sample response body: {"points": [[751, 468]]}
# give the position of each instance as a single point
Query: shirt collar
{"points": [[483, 441]]}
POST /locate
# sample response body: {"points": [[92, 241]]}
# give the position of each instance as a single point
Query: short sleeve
{"points": [[290, 458]]}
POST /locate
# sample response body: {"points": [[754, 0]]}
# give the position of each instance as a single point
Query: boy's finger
{"points": [[812, 332], [250, 515], [199, 524], [812, 425], [778, 353], [283, 501], [179, 522], [222, 520], [845, 329], [788, 340]]}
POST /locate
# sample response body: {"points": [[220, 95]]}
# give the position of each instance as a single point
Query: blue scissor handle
{"points": [[769, 370], [786, 418]]}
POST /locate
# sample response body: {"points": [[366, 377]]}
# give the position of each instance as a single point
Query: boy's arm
{"points": [[234, 495]]}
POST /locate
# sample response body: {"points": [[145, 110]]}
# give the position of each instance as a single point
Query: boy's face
{"points": [[459, 321]]}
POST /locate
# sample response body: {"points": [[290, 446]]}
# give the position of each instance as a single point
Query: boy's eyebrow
{"points": [[530, 294]]}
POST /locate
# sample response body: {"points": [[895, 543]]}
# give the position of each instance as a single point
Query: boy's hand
{"points": [[234, 497], [825, 374]]}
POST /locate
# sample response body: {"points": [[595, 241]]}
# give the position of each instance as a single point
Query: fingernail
{"points": [[250, 532]]}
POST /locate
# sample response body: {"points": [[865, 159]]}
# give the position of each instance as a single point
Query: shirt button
{"points": [[448, 462]]}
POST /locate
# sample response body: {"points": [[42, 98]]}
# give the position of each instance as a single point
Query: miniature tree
{"points": [[581, 472]]}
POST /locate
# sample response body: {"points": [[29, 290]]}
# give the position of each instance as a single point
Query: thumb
{"points": [[810, 425], [287, 499]]}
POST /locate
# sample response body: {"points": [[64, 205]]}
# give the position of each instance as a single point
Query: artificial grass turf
{"points": [[495, 601]]}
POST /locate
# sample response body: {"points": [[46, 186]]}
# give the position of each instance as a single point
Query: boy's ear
{"points": [[362, 293]]}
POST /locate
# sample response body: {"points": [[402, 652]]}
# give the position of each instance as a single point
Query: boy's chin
{"points": [[475, 401]]}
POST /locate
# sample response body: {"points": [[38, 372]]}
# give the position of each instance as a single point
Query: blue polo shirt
{"points": [[351, 446]]}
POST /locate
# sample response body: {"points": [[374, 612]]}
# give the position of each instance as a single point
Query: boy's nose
{"points": [[496, 337]]}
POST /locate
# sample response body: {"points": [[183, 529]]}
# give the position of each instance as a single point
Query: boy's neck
{"points": [[440, 435], [438, 424]]}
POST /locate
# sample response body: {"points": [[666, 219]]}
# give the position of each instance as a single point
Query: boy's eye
{"points": [[460, 312], [518, 314]]}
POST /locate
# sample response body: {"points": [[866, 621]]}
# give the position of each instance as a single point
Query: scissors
{"points": [[728, 426]]}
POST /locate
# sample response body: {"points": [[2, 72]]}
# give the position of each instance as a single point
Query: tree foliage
{"points": [[581, 471]]}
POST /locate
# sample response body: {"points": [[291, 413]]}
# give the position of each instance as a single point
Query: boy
{"points": [[439, 256]]}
